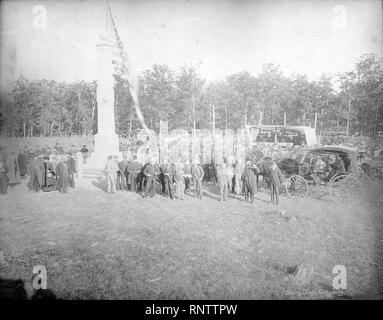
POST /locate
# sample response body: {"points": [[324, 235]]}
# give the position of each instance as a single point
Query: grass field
{"points": [[100, 246]]}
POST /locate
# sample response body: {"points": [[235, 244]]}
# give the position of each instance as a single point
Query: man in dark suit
{"points": [[276, 180], [132, 171], [249, 182], [151, 179], [71, 170]]}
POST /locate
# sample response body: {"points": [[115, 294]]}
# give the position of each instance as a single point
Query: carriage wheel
{"points": [[297, 187], [346, 190]]}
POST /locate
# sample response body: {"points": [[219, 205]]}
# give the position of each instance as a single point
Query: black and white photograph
{"points": [[184, 150]]}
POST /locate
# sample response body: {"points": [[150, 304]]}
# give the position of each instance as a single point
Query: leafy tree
{"points": [[157, 88], [188, 93], [42, 107], [362, 92], [124, 109]]}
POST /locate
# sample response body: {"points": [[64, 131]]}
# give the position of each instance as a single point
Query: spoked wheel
{"points": [[297, 187], [346, 190]]}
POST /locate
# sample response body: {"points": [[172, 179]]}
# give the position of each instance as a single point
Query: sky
{"points": [[220, 37]]}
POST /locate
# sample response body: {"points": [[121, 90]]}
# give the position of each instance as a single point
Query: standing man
{"points": [[150, 174], [22, 162], [276, 180], [71, 169], [249, 182], [198, 173], [141, 178], [124, 173], [3, 178], [223, 182], [162, 175], [118, 174], [179, 180], [187, 176], [169, 180], [110, 171], [133, 169], [238, 178], [230, 175], [13, 169], [36, 174], [213, 172], [84, 150], [62, 175]]}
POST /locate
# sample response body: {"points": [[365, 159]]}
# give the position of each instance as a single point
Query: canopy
{"points": [[334, 149]]}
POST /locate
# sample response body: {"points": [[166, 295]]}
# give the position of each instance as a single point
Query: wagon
{"points": [[333, 168]]}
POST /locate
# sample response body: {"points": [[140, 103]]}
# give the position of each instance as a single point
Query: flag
{"points": [[123, 68]]}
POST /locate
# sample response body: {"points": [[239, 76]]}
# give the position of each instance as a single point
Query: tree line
{"points": [[351, 100]]}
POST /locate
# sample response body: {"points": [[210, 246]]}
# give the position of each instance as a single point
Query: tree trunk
{"points": [[376, 119], [348, 117], [225, 117], [131, 119], [53, 122]]}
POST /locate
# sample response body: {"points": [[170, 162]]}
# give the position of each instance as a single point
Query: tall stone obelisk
{"points": [[106, 140]]}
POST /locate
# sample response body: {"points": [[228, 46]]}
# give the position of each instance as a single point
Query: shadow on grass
{"points": [[12, 185], [100, 184], [256, 198], [14, 290]]}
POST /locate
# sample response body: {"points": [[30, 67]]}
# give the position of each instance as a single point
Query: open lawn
{"points": [[100, 246]]}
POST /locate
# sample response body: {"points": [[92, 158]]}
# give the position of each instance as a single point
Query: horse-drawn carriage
{"points": [[331, 167]]}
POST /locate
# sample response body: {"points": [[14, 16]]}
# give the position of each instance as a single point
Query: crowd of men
{"points": [[175, 179], [46, 171], [10, 172], [53, 172], [53, 169]]}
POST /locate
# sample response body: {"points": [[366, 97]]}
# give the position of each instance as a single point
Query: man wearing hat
{"points": [[131, 171], [198, 173], [162, 175], [122, 169], [71, 169], [169, 180], [3, 178], [110, 171], [13, 169], [249, 182], [62, 174], [119, 179], [150, 173], [276, 180], [238, 177], [84, 150], [179, 180], [223, 181]]}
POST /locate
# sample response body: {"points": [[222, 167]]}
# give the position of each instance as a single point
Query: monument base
{"points": [[104, 146]]}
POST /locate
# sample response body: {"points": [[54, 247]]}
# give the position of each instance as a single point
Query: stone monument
{"points": [[106, 140]]}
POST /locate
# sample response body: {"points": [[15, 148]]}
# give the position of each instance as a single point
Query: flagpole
{"points": [[107, 15], [126, 70]]}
